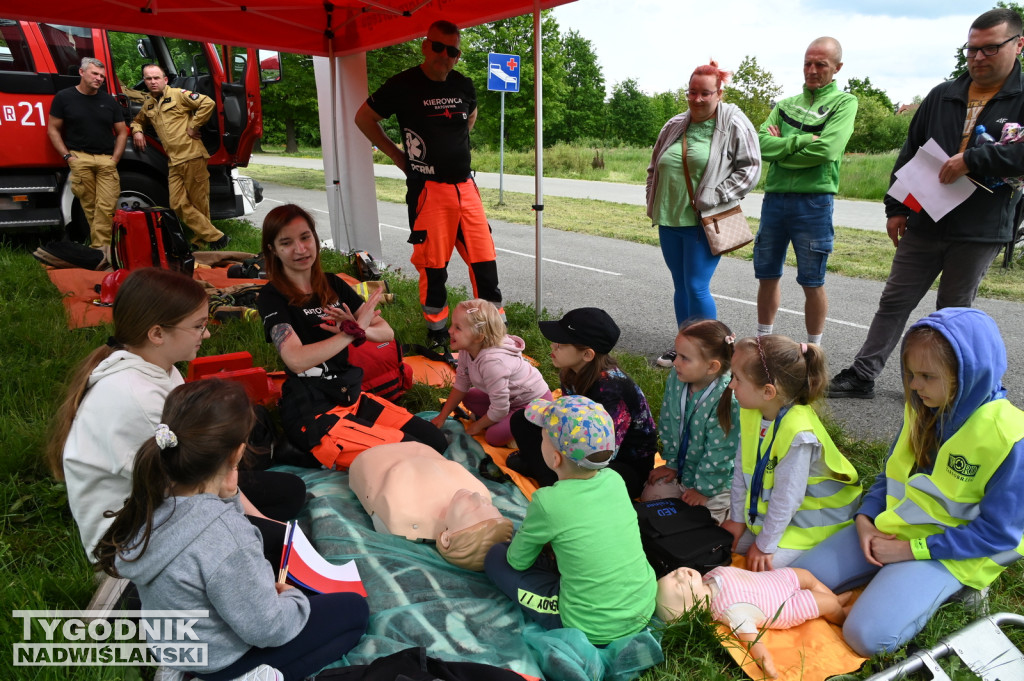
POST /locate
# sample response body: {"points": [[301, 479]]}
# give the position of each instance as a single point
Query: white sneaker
{"points": [[666, 360], [262, 673]]}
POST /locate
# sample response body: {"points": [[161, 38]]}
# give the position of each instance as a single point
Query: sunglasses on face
{"points": [[438, 46]]}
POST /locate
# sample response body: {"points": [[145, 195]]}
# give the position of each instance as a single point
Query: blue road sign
{"points": [[503, 72]]}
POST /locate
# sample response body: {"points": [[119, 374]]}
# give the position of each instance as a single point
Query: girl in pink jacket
{"points": [[493, 380]]}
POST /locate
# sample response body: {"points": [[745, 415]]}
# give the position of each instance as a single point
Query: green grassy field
{"points": [[864, 176], [41, 560]]}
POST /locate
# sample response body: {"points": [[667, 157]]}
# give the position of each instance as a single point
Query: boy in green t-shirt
{"points": [[599, 580]]}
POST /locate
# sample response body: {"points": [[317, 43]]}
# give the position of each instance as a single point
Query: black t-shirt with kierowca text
{"points": [[434, 118], [305, 320], [88, 120]]}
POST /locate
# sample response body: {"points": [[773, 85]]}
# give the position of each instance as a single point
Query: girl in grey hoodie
{"points": [[183, 540]]}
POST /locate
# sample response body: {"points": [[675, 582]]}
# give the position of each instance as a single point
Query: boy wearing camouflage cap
{"points": [[598, 580]]}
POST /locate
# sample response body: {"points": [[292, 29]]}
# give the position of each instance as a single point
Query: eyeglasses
{"points": [[454, 52], [199, 329], [705, 94], [987, 50]]}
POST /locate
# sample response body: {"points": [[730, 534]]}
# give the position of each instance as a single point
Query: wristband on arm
{"points": [[353, 329]]}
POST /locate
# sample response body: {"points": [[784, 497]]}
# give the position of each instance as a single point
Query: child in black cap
{"points": [[580, 343]]}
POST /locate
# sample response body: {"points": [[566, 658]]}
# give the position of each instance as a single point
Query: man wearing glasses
{"points": [[436, 109], [962, 244], [804, 138]]}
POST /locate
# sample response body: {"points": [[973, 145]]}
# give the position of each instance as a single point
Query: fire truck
{"points": [[39, 59]]}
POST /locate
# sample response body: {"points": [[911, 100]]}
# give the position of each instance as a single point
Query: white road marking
{"points": [[785, 309], [618, 274], [530, 255], [325, 212]]}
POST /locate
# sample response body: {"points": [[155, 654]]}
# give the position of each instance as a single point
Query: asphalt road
{"points": [[631, 282], [867, 215]]}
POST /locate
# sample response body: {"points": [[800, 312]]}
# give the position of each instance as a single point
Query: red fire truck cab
{"points": [[38, 59]]}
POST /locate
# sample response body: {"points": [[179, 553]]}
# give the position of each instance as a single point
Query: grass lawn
{"points": [[44, 567], [864, 176], [858, 253]]}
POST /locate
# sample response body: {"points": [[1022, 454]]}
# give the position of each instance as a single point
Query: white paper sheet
{"points": [[920, 176]]}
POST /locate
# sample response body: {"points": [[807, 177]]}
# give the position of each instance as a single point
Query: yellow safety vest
{"points": [[923, 504], [830, 500]]}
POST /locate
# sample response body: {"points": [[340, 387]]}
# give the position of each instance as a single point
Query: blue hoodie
{"points": [[981, 363]]}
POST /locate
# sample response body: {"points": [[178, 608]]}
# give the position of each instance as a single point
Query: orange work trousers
{"points": [[447, 217]]}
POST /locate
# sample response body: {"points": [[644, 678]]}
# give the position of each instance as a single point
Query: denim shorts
{"points": [[806, 221]]}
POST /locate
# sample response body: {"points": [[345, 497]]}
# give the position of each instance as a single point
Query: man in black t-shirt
{"points": [[436, 109], [87, 128]]}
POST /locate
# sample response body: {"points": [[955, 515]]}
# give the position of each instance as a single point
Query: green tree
{"points": [[753, 90], [631, 115], [385, 62], [290, 110], [584, 80], [515, 36], [961, 60], [877, 129], [664, 106], [864, 87]]}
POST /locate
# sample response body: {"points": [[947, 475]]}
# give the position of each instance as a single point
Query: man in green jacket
{"points": [[804, 139]]}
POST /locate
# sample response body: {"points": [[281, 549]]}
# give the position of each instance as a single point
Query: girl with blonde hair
{"points": [[493, 378]]}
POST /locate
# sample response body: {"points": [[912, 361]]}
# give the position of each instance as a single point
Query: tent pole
{"points": [[336, 199], [538, 207]]}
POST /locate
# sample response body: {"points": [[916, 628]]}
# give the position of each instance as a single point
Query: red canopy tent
{"points": [[342, 31], [315, 27]]}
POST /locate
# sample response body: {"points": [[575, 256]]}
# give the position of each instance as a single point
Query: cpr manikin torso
{"points": [[410, 490]]}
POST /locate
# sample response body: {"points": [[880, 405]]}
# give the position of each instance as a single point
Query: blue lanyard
{"points": [[684, 437], [757, 480]]}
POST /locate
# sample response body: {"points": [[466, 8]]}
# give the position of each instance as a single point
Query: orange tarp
{"points": [[78, 288]]}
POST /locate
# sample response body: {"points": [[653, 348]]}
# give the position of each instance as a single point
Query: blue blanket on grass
{"points": [[416, 598]]}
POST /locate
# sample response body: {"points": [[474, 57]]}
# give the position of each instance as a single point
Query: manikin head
{"points": [[472, 526], [678, 591]]}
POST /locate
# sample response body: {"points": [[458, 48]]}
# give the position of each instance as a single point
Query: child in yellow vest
{"points": [[792, 487], [947, 512]]}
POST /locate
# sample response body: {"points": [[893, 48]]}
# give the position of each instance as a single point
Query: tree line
{"points": [[576, 108]]}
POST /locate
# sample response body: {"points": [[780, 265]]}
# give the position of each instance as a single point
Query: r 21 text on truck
{"points": [[38, 59]]}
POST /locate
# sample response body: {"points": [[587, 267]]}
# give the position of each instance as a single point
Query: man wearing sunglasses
{"points": [[962, 244], [436, 109]]}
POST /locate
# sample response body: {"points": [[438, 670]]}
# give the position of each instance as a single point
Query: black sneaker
{"points": [[666, 360], [438, 339], [515, 462], [220, 244], [848, 384]]}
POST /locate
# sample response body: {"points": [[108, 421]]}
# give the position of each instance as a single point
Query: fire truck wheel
{"points": [[142, 191]]}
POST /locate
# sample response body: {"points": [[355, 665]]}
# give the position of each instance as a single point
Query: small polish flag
{"points": [[306, 567], [901, 193]]}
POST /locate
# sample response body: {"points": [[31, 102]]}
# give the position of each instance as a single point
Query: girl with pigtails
{"points": [[699, 424], [792, 487]]}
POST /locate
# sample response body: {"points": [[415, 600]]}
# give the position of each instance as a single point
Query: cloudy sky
{"points": [[906, 47]]}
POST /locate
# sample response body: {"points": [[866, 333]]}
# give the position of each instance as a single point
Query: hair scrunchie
{"points": [[113, 342], [165, 437], [730, 339]]}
